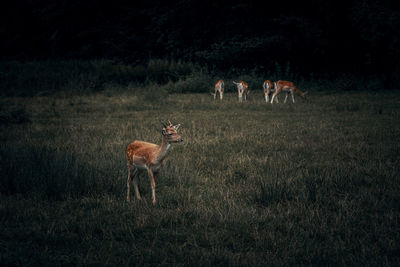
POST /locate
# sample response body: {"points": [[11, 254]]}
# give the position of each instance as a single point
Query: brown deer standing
{"points": [[148, 156], [243, 90], [289, 88], [219, 87], [269, 87]]}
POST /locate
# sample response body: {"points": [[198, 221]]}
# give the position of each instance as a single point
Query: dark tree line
{"points": [[340, 36]]}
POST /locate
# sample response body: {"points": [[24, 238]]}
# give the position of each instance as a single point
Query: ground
{"points": [[315, 182]]}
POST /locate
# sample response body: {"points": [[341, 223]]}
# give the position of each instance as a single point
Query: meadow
{"points": [[311, 183]]}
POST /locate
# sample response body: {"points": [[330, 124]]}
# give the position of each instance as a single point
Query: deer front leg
{"points": [[292, 93], [267, 93], [153, 185]]}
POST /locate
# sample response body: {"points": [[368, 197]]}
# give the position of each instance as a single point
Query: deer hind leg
{"points": [[128, 183], [292, 93], [132, 176], [135, 184], [287, 94]]}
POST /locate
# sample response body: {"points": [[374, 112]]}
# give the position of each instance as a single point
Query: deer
{"points": [[269, 87], [219, 87], [289, 88], [242, 90], [148, 156]]}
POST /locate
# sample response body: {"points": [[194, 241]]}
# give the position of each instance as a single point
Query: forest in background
{"points": [[355, 37]]}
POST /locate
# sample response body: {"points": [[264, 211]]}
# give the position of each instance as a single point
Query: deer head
{"points": [[239, 86], [169, 132]]}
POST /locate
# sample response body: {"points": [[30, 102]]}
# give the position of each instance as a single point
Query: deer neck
{"points": [[163, 150]]}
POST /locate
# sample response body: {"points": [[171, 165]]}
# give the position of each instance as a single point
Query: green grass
{"points": [[73, 77], [310, 183]]}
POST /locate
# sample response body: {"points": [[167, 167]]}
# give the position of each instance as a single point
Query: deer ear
{"points": [[163, 131], [177, 127]]}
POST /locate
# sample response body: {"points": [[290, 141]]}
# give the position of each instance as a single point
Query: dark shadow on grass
{"points": [[44, 173]]}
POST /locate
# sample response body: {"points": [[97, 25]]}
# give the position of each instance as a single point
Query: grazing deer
{"points": [[289, 88], [242, 90], [219, 87], [269, 87], [148, 156]]}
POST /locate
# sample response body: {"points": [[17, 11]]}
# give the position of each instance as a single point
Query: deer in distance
{"points": [[219, 87], [147, 156], [269, 87], [242, 90], [289, 88]]}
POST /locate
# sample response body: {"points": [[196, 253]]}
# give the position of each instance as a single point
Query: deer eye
{"points": [[170, 134]]}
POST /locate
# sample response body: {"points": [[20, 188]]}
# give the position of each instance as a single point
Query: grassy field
{"points": [[311, 183]]}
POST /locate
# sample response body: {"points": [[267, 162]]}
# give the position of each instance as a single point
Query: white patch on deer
{"points": [[166, 151], [141, 167]]}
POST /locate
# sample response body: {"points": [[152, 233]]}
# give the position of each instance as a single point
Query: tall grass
{"points": [[72, 77], [83, 77], [311, 183]]}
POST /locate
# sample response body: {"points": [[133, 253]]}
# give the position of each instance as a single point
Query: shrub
{"points": [[162, 71], [196, 82], [13, 115]]}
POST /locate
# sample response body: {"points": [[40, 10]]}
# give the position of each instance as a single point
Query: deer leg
{"points": [[273, 97], [132, 176], [153, 185], [135, 183], [266, 97], [287, 94], [155, 174], [128, 184], [292, 93], [129, 180]]}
